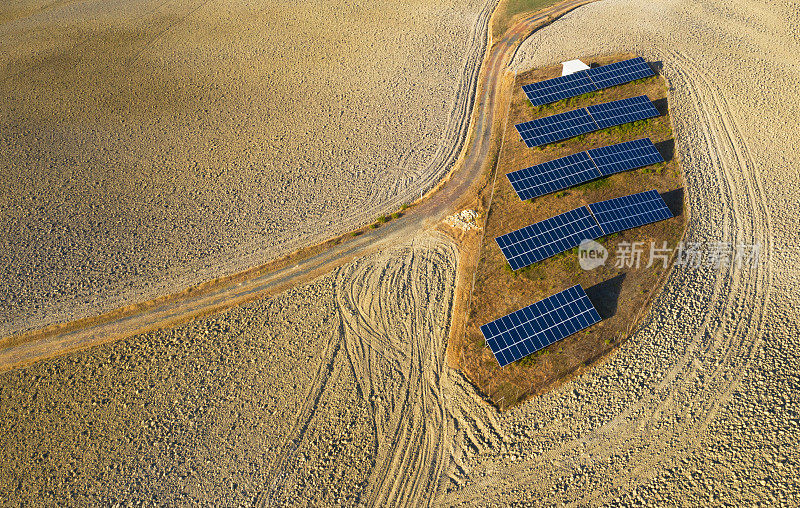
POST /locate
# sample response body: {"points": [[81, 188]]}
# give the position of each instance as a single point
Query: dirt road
{"points": [[39, 344]]}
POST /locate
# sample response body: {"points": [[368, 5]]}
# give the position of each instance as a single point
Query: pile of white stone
{"points": [[464, 220]]}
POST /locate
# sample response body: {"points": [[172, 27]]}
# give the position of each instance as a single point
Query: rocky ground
{"points": [[149, 145], [337, 392]]}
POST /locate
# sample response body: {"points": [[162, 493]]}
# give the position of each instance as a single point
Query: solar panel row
{"points": [[581, 167], [628, 212], [618, 73], [528, 330], [625, 156], [553, 175], [552, 90], [556, 127], [549, 237], [580, 121], [622, 111]]}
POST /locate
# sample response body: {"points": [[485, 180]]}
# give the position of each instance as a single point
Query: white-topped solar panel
{"points": [[628, 212], [554, 175], [536, 326], [620, 72], [547, 238], [625, 156], [622, 111], [552, 90], [556, 127]]}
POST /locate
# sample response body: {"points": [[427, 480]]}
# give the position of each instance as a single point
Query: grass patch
{"points": [[508, 9], [600, 183]]}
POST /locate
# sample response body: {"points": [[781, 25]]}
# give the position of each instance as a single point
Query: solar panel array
{"points": [[556, 127], [625, 156], [553, 175], [552, 90], [528, 330], [628, 212], [581, 167], [579, 83], [580, 121], [547, 238], [622, 111]]}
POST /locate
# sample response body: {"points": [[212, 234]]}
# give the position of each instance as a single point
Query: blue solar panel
{"points": [[620, 72], [554, 175], [528, 330], [556, 127], [627, 212], [622, 111], [625, 156], [552, 90], [547, 238]]}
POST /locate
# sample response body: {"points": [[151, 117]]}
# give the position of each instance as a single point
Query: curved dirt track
{"points": [[252, 284], [333, 393]]}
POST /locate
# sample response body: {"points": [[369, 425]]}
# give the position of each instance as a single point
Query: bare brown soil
{"points": [[621, 294]]}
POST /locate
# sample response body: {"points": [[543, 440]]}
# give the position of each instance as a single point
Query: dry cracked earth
{"points": [[338, 392]]}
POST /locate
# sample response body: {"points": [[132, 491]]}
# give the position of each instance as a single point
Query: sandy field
{"points": [[337, 392], [147, 145], [317, 397]]}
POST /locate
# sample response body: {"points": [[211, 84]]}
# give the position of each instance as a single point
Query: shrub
{"points": [[382, 219], [594, 184]]}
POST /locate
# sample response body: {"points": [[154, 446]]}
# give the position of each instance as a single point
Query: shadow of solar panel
{"points": [[528, 330], [547, 238], [620, 72], [625, 156], [554, 175], [552, 90], [556, 127], [622, 111], [628, 212]]}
